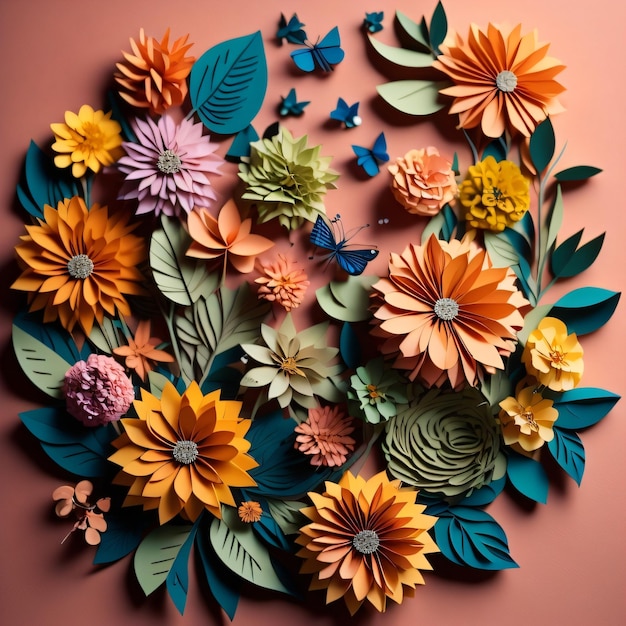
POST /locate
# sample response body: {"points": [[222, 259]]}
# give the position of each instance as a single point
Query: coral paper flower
{"points": [[167, 170], [79, 263], [184, 453], [227, 236], [142, 351], [527, 420], [326, 436], [367, 540], [87, 140], [503, 80], [154, 76], [553, 357], [445, 313], [495, 194], [423, 181], [283, 281]]}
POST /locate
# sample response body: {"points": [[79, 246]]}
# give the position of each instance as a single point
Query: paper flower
{"points": [[87, 140], [423, 181], [154, 76], [250, 512], [495, 194], [503, 81], [141, 351], [283, 281], [553, 357], [527, 420], [367, 541], [184, 453], [227, 236], [286, 179], [78, 264], [97, 391], [326, 436], [167, 170], [376, 391], [446, 314], [445, 443], [295, 366]]}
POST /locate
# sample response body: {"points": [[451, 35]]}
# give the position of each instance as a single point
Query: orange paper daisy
{"points": [[184, 453], [78, 264], [367, 540], [503, 80]]}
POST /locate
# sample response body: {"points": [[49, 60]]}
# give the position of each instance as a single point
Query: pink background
{"points": [[59, 55]]}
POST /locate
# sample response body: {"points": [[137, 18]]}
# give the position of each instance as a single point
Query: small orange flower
{"points": [[283, 282], [250, 512]]}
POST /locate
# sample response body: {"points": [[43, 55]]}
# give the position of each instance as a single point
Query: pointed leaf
{"points": [[585, 309], [542, 143], [555, 219], [125, 528], [568, 451], [438, 27], [401, 56], [501, 251], [497, 149], [531, 321], [567, 262], [240, 146], [349, 346], [583, 407], [579, 172], [347, 301], [486, 494], [177, 581], [528, 477], [413, 97], [417, 32]]}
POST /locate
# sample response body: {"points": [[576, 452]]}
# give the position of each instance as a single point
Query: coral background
{"points": [[59, 55]]}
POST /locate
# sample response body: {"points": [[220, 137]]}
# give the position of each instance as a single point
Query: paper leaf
{"points": [[242, 552], [413, 97], [349, 346], [555, 220], [497, 149], [156, 554], [401, 56], [577, 173], [567, 261], [286, 513], [585, 309], [347, 301], [240, 146], [528, 477], [486, 494], [501, 252], [125, 528], [417, 32], [181, 279], [438, 27], [568, 451], [441, 225], [584, 407], [177, 581], [542, 143], [106, 335], [227, 84]]}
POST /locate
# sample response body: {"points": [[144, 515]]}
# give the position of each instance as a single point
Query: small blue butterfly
{"points": [[323, 54], [291, 31], [349, 115], [368, 159], [291, 106], [351, 260], [373, 21]]}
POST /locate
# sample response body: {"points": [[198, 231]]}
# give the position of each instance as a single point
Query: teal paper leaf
{"points": [[568, 451], [577, 173], [417, 32], [585, 309], [349, 346], [177, 581], [567, 261], [125, 528], [413, 97], [486, 494], [227, 84], [542, 143], [113, 101], [438, 27], [497, 149], [441, 225], [528, 477], [240, 146], [583, 407]]}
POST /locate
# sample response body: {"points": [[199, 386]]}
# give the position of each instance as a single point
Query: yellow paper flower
{"points": [[367, 540], [89, 139], [495, 194], [503, 80], [78, 264], [527, 420], [552, 356], [184, 453], [283, 281]]}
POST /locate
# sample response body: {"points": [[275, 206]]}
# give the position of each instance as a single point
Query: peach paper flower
{"points": [[283, 281], [367, 540], [423, 181], [503, 80]]}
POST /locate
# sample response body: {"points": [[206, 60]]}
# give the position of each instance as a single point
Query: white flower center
{"points": [[80, 266], [169, 162], [185, 452], [506, 81], [446, 309], [366, 542]]}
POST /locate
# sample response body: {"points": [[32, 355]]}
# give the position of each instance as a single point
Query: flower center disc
{"points": [[169, 162], [529, 416], [446, 309], [506, 81], [185, 452], [80, 266], [366, 542]]}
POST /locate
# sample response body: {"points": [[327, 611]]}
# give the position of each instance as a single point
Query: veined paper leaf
{"points": [[500, 249], [568, 451], [401, 56], [413, 97], [125, 528]]}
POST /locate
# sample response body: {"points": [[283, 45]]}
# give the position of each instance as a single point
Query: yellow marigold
{"points": [[527, 420], [552, 356], [250, 512], [495, 194], [89, 139], [155, 74], [283, 281]]}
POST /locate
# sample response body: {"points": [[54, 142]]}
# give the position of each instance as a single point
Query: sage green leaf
{"points": [[349, 300], [105, 336], [417, 32], [414, 97], [501, 250], [401, 56], [531, 321], [555, 220]]}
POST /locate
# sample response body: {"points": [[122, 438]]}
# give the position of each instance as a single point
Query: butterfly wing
{"points": [[365, 158], [328, 51], [304, 59], [354, 261], [322, 235], [341, 112], [380, 149]]}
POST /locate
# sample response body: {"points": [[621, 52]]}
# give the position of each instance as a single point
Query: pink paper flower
{"points": [[167, 169], [98, 391]]}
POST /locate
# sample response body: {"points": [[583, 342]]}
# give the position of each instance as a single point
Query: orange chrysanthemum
{"points": [[502, 80], [184, 453], [155, 75], [445, 313], [250, 512], [284, 282], [367, 540], [79, 263]]}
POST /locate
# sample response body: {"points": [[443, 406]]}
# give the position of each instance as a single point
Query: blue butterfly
{"points": [[373, 21], [351, 260], [346, 114], [291, 31], [323, 54], [291, 106], [368, 159]]}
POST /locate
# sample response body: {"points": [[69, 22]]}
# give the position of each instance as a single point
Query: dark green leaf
{"points": [[438, 27], [583, 407], [579, 172], [125, 528], [177, 581], [568, 451], [585, 309], [349, 346], [497, 149], [542, 144], [486, 494], [568, 262]]}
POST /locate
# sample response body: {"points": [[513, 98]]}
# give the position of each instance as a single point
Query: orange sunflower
{"points": [[78, 264], [184, 453], [445, 313]]}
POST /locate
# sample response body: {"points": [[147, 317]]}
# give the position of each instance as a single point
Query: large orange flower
{"points": [[184, 453], [367, 540], [79, 262], [445, 312], [502, 80]]}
